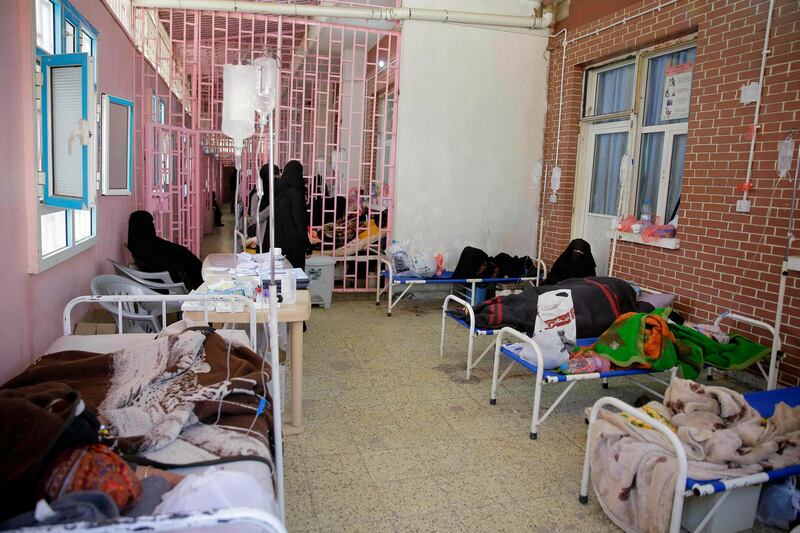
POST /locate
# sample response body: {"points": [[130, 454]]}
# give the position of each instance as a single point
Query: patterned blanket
{"points": [[188, 395]]}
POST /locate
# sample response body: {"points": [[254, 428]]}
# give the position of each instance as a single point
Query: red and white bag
{"points": [[555, 310]]}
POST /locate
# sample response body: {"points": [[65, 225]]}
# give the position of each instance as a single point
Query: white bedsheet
{"points": [[114, 342]]}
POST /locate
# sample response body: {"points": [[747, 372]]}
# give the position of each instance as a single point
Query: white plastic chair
{"points": [[137, 317], [157, 281]]}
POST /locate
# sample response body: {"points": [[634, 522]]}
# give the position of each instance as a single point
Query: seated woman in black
{"points": [[154, 254]]}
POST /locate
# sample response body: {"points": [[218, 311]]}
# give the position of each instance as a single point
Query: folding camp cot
{"points": [[544, 376], [719, 490], [446, 278]]}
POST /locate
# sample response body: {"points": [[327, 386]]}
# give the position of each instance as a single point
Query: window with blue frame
{"points": [[66, 48]]}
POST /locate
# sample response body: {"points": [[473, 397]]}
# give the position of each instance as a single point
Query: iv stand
{"points": [[273, 326]]}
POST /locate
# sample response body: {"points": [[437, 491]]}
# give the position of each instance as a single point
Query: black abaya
{"points": [[574, 262], [291, 216], [154, 254]]}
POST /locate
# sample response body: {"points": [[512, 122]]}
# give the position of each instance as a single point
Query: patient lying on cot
{"points": [[65, 420], [52, 452], [598, 302]]}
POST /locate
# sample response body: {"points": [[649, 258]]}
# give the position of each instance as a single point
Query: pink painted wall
{"points": [[32, 305]]}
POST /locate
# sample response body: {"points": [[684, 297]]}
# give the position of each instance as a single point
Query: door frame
{"points": [[583, 183]]}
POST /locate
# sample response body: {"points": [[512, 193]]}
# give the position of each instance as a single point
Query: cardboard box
{"points": [[97, 321]]}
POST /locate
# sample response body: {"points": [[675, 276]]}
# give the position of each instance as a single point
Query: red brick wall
{"points": [[726, 260]]}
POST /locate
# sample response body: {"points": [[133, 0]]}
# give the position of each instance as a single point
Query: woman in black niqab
{"points": [[291, 216], [154, 254], [574, 262]]}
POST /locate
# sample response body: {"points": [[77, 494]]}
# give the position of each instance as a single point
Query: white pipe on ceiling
{"points": [[368, 13]]}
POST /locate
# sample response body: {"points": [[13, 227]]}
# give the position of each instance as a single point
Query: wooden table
{"points": [[293, 314]]}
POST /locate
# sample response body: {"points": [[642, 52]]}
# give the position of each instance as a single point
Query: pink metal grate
{"points": [[336, 114]]}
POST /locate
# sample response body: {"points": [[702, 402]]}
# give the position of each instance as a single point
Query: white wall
{"points": [[470, 127]]}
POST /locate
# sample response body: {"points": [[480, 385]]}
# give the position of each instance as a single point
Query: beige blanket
{"points": [[633, 467]]}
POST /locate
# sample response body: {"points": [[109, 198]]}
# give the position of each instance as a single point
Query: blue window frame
{"points": [[117, 114], [73, 76], [60, 75]]}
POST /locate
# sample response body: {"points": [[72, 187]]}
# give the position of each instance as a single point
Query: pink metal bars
{"points": [[336, 114]]}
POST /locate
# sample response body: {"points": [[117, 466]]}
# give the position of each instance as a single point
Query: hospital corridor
{"points": [[319, 266]]}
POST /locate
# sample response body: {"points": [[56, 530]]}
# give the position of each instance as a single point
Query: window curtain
{"points": [[608, 151], [614, 88], [656, 74], [675, 178], [649, 171]]}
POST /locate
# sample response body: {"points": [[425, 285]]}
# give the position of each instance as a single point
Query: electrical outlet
{"points": [[742, 206]]}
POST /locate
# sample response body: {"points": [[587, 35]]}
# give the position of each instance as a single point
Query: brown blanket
{"points": [[170, 392], [633, 467]]}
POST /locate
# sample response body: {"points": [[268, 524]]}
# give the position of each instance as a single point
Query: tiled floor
{"points": [[397, 440]]}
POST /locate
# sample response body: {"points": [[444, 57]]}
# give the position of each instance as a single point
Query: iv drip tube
{"points": [[273, 331], [757, 115], [259, 194], [238, 163]]}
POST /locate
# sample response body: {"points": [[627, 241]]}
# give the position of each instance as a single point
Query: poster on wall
{"points": [[677, 92]]}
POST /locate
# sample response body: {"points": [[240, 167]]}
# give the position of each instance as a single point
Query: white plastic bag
{"points": [[555, 310], [779, 503], [397, 252], [554, 346], [215, 489], [423, 265]]}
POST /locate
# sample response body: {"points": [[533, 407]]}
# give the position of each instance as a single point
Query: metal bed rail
{"points": [[207, 299]]}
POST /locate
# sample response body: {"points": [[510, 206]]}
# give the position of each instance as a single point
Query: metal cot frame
{"points": [[684, 487], [543, 377], [473, 331], [222, 516], [776, 355], [388, 274]]}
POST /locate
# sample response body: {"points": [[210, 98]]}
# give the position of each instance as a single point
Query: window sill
{"points": [[56, 258], [669, 244]]}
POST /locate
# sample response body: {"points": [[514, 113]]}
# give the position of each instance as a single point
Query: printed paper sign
{"points": [[677, 92]]}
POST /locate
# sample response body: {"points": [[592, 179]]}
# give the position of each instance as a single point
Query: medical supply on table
{"points": [[288, 288], [586, 365]]}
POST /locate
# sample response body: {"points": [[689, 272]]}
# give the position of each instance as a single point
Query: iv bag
{"points": [[266, 84], [238, 103], [785, 152], [555, 179]]}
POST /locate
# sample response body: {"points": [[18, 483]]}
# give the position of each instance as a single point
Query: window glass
{"points": [[69, 38], [614, 90], [86, 43], [45, 26], [67, 110], [649, 172], [54, 232], [658, 91], [82, 220]]}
